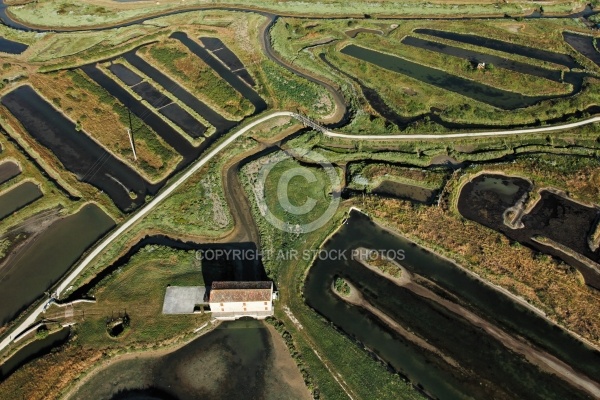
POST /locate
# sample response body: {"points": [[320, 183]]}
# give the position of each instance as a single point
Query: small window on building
{"points": [[221, 304], [222, 309], [265, 303], [244, 308], [244, 304], [266, 308]]}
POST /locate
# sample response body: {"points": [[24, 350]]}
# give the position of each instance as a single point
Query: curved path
{"points": [[142, 212], [170, 188]]}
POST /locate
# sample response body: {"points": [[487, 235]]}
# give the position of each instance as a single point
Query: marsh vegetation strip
{"points": [[238, 359], [503, 372], [530, 52], [33, 350], [18, 197], [491, 199], [477, 57], [76, 150], [170, 135], [11, 47], [477, 91], [125, 74], [34, 270], [8, 170], [583, 44], [220, 123], [235, 81]]}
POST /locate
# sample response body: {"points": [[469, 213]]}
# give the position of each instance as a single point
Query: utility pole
{"points": [[131, 143]]}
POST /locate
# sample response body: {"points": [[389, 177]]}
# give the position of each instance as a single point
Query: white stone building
{"points": [[232, 300]]}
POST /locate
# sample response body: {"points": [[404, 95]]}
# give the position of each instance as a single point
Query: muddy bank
{"points": [[239, 359]]}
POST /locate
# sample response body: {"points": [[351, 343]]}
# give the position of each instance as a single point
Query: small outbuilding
{"points": [[232, 300]]}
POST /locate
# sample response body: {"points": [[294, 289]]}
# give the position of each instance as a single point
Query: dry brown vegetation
{"points": [[491, 255], [172, 56], [100, 121]]}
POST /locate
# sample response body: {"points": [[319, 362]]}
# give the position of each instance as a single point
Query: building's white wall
{"points": [[242, 307]]}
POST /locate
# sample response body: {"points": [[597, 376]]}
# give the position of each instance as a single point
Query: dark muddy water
{"points": [[125, 74], [31, 272], [477, 57], [562, 220], [184, 120], [489, 369], [228, 57], [8, 170], [18, 197], [477, 91], [531, 52], [75, 150], [234, 361], [215, 119], [11, 47], [583, 44]]}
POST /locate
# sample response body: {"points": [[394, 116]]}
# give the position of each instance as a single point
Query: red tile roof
{"points": [[234, 291]]}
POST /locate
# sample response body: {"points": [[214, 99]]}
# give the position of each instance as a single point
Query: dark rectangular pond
{"points": [[489, 370], [35, 269], [220, 123], [583, 44], [443, 80], [11, 47], [405, 191], [184, 120], [531, 52], [8, 170], [18, 197], [125, 74], [76, 150], [149, 93]]}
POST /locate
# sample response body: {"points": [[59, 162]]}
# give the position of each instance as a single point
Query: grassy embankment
{"points": [[335, 373], [89, 13], [369, 176], [566, 171], [108, 121], [136, 289], [175, 59], [409, 97]]}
